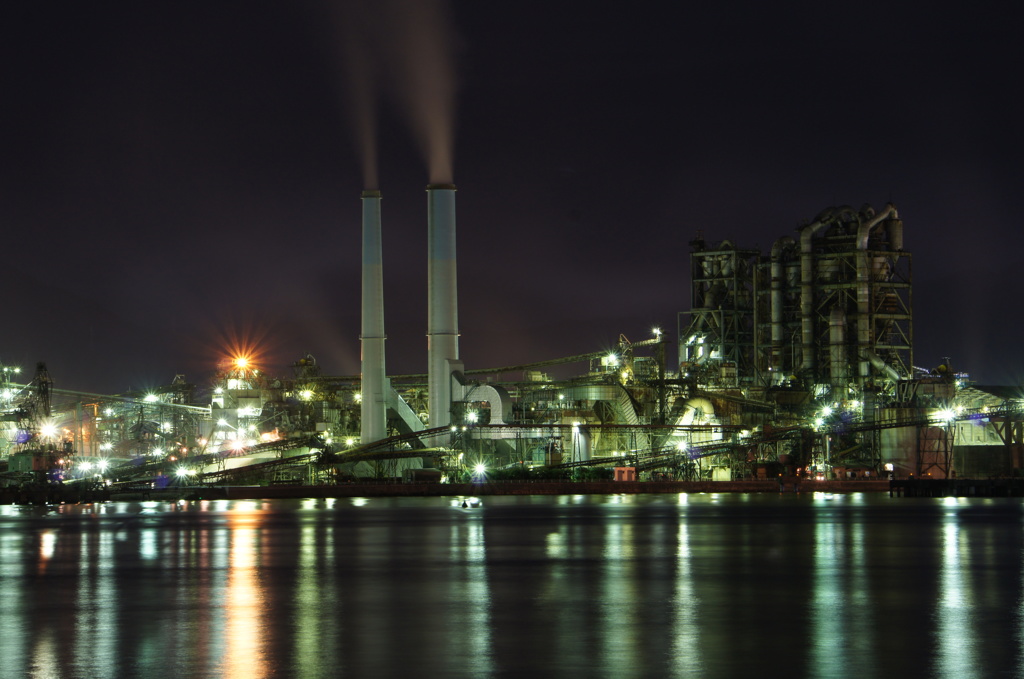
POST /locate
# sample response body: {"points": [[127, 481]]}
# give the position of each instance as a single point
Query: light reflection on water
{"points": [[806, 585]]}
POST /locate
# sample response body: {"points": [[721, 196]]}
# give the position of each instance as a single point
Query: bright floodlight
{"points": [[826, 411], [657, 332], [350, 442], [242, 362], [471, 416], [480, 468], [358, 396], [102, 465], [222, 423], [182, 472], [306, 394], [150, 398], [48, 430], [86, 466], [106, 446], [946, 415], [682, 446]]}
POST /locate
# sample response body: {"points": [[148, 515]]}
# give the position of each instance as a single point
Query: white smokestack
{"points": [[373, 419], [442, 310]]}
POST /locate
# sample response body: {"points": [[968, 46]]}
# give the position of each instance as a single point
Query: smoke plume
{"points": [[423, 67], [352, 37], [404, 48]]}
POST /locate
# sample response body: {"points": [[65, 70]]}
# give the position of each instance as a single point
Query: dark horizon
{"points": [[179, 178]]}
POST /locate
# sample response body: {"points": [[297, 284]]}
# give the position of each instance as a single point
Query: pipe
{"points": [[864, 316], [837, 354], [373, 406], [807, 290], [442, 302], [864, 230], [777, 300], [880, 365], [496, 397]]}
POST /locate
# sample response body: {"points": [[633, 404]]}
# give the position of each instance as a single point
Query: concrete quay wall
{"points": [[506, 488]]}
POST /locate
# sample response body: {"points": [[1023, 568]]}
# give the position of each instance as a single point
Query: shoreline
{"points": [[501, 488], [898, 488]]}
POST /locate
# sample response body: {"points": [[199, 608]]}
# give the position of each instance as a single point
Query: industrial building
{"points": [[796, 362]]}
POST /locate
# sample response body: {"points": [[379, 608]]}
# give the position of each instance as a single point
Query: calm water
{"points": [[607, 586]]}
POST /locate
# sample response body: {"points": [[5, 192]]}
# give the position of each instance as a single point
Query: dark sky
{"points": [[178, 176]]}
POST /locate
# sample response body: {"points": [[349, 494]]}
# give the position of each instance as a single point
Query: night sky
{"points": [[178, 178]]}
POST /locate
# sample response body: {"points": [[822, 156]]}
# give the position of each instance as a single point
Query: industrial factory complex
{"points": [[797, 362]]}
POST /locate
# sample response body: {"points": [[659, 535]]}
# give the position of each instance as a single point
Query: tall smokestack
{"points": [[373, 409], [442, 309]]}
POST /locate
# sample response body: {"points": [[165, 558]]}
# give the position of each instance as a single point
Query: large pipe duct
{"points": [[373, 407], [442, 308], [807, 289], [777, 300], [837, 354], [864, 330]]}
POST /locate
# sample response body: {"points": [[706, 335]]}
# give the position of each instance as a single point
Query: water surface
{"points": [[599, 586]]}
